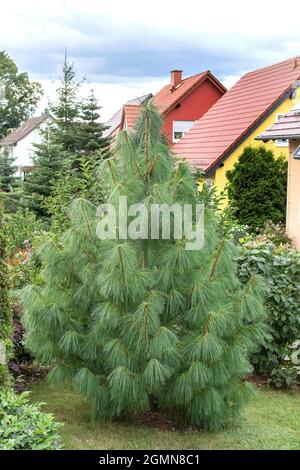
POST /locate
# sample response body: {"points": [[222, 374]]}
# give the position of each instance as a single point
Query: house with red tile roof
{"points": [[253, 104], [180, 103]]}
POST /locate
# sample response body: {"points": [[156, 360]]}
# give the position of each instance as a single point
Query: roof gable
{"points": [[167, 98], [231, 118], [131, 113]]}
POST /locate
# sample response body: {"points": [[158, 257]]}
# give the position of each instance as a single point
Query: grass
{"points": [[270, 421]]}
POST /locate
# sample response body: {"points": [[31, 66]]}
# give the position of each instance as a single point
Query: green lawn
{"points": [[271, 421]]}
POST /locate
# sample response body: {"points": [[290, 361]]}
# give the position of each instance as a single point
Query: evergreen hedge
{"points": [[257, 187]]}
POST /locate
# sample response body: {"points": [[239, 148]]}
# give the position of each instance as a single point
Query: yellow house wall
{"points": [[293, 196], [219, 176]]}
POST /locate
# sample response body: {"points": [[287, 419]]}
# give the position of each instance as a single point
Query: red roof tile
{"points": [[235, 113], [168, 97]]}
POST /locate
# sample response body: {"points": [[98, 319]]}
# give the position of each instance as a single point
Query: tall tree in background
{"points": [[54, 156], [257, 187], [136, 323], [18, 95], [7, 171], [90, 139], [65, 111], [5, 306]]}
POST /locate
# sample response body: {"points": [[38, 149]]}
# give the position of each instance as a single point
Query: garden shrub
{"points": [[22, 227], [23, 426], [280, 269]]}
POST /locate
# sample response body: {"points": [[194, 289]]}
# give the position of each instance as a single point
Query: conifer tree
{"points": [[49, 160], [7, 171], [65, 111], [257, 187], [137, 323], [5, 306], [90, 139]]}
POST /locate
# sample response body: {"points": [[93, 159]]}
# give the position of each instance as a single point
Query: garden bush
{"points": [[22, 227], [23, 426], [280, 269]]}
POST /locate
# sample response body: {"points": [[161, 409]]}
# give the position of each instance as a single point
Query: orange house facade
{"points": [[180, 103]]}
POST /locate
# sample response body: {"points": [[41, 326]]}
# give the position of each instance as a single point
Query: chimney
{"points": [[176, 77]]}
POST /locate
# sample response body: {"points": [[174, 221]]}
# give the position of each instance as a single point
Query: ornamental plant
{"points": [[138, 324], [23, 426], [280, 270]]}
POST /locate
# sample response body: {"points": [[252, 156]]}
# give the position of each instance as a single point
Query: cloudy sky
{"points": [[127, 48]]}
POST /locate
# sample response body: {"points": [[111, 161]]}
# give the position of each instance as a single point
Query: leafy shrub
{"points": [[257, 187], [280, 269], [24, 427]]}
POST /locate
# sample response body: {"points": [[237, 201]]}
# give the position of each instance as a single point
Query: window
{"points": [[180, 128], [281, 142], [296, 154]]}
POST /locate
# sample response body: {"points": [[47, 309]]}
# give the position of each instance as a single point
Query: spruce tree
{"points": [[90, 139], [257, 187], [5, 306], [49, 161], [65, 111], [7, 171], [140, 323]]}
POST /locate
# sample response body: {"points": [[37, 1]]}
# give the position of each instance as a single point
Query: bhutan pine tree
{"points": [[137, 323]]}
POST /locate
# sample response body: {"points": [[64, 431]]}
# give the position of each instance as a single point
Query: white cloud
{"points": [[126, 48], [111, 96]]}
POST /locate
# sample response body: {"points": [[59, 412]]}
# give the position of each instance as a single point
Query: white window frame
{"points": [[183, 132], [284, 143]]}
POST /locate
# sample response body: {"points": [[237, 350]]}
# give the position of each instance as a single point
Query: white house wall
{"points": [[22, 152]]}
